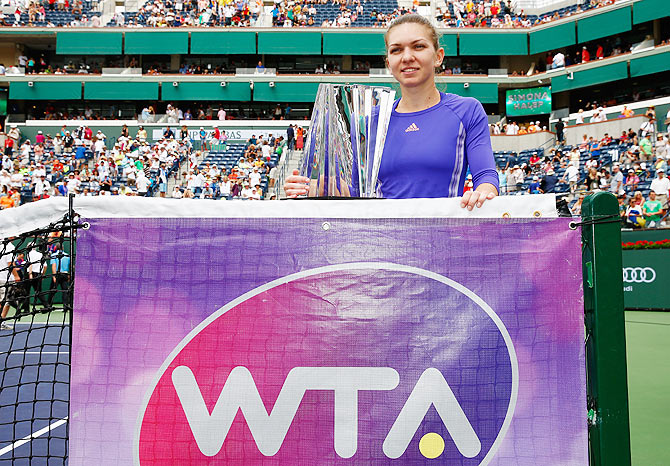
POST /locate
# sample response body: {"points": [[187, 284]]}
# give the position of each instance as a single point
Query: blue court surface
{"points": [[34, 376]]}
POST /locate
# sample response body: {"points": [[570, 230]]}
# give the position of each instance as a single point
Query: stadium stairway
{"points": [[285, 168]]}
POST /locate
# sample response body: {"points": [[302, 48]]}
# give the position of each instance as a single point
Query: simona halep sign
{"points": [[533, 101], [363, 334]]}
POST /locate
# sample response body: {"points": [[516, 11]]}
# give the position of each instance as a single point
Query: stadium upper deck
{"points": [[300, 13], [136, 67]]}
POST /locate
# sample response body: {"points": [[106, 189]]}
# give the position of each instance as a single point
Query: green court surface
{"points": [[54, 317], [648, 353]]}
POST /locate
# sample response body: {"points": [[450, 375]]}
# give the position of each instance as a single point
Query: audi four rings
{"points": [[639, 274]]}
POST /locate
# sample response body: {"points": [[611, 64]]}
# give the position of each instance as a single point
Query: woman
{"points": [[591, 180], [6, 200], [299, 138], [432, 136]]}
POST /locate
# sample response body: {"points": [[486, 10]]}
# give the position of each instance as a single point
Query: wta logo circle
{"points": [[362, 362]]}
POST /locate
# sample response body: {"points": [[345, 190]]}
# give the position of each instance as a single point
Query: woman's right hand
{"points": [[296, 185]]}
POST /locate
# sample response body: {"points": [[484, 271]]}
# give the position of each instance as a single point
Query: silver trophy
{"points": [[345, 140]]}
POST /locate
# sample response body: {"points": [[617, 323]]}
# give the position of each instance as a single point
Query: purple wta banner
{"points": [[207, 341]]}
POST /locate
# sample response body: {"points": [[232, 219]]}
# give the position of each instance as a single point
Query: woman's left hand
{"points": [[477, 197]]}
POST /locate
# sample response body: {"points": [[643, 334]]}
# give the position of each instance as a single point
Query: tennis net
{"points": [[36, 284]]}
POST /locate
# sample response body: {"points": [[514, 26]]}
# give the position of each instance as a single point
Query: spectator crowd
{"points": [[81, 162], [246, 178], [285, 13], [633, 166]]}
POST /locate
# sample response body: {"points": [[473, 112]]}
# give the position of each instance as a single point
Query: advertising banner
{"points": [[645, 277], [233, 134], [534, 101], [645, 271], [320, 339]]}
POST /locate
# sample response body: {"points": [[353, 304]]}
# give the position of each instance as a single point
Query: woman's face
{"points": [[411, 56]]}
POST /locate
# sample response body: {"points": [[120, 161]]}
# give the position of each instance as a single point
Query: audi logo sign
{"points": [[638, 274]]}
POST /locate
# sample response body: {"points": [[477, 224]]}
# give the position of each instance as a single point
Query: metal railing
{"points": [[283, 171]]}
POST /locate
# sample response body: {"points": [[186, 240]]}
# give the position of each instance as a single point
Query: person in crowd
{"points": [[634, 216], [534, 187], [560, 126], [183, 133], [651, 114], [652, 209], [60, 273], [661, 186], [632, 181], [141, 133], [549, 181], [290, 136], [11, 293], [202, 134], [616, 180], [662, 147], [571, 175], [6, 198], [576, 209], [35, 269], [412, 54], [646, 128], [299, 141]]}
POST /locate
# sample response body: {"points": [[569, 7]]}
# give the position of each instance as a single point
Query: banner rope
{"points": [[612, 218]]}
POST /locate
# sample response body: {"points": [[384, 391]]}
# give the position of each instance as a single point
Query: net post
{"points": [[607, 386], [69, 306]]}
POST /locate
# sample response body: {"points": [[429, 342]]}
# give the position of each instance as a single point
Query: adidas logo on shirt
{"points": [[412, 127]]}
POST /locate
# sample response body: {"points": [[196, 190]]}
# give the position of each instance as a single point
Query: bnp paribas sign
{"points": [[533, 101]]}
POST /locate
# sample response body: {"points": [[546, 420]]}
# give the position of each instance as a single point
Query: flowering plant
{"points": [[662, 244]]}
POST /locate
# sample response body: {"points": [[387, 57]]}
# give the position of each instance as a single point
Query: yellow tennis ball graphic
{"points": [[431, 445]]}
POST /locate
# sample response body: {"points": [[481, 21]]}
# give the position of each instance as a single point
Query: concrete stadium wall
{"points": [[521, 142], [574, 134]]}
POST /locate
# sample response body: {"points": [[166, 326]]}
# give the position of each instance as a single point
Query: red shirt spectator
{"points": [[9, 145], [585, 55], [599, 52]]}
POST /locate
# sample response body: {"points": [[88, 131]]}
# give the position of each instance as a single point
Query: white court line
{"points": [[36, 434]]}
